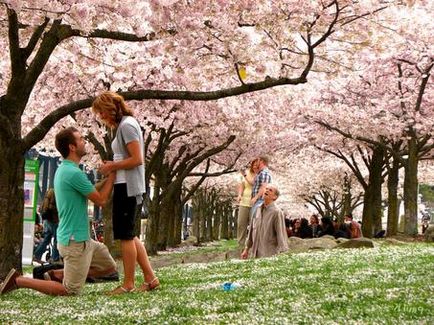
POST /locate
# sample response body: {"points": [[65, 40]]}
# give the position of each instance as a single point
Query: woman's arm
{"points": [[240, 191]]}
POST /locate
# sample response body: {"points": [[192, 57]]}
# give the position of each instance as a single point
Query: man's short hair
{"points": [[264, 159], [349, 215], [63, 139]]}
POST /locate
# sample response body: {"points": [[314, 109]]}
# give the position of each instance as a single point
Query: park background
{"points": [[338, 93]]}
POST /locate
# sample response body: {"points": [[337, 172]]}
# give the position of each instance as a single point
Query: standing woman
{"points": [[128, 189], [243, 200]]}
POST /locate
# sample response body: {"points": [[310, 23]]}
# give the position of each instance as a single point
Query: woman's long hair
{"points": [[113, 104]]}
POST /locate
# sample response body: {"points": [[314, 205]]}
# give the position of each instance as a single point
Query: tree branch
{"points": [[119, 36], [50, 41], [40, 130], [196, 186], [97, 145], [196, 161], [425, 78], [36, 36], [330, 27], [14, 43]]}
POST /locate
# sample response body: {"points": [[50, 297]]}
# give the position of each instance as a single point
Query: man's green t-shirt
{"points": [[71, 187]]}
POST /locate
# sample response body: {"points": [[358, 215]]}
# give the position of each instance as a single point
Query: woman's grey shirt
{"points": [[128, 131]]}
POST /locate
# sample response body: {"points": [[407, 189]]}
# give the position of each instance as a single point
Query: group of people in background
{"points": [[301, 227], [262, 229]]}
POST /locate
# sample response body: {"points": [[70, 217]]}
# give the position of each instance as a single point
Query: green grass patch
{"points": [[383, 285]]}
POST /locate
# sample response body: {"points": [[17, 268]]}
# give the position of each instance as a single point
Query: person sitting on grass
{"points": [[327, 227], [314, 225], [82, 256], [355, 227], [302, 228]]}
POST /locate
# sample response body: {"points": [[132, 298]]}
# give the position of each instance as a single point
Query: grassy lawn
{"points": [[383, 285]]}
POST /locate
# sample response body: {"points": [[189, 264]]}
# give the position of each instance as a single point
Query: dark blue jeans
{"points": [[50, 229]]}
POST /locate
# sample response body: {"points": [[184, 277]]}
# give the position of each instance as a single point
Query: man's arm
{"points": [[260, 193], [101, 196]]}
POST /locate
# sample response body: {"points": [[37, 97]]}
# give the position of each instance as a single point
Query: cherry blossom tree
{"points": [[324, 182], [396, 94], [60, 53]]}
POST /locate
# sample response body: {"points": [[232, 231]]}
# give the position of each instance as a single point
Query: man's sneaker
{"points": [[9, 283]]}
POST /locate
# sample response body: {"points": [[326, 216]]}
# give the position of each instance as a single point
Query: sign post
{"points": [[31, 181]]}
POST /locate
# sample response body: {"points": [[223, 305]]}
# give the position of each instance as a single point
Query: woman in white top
{"points": [[128, 189]]}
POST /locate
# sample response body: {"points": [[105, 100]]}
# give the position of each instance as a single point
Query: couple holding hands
{"points": [[83, 256]]}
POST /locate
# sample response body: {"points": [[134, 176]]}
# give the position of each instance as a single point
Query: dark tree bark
{"points": [[196, 219], [411, 189], [346, 200], [372, 209], [232, 231], [210, 206], [176, 239], [153, 223], [217, 222], [393, 202], [11, 207], [113, 245], [224, 232]]}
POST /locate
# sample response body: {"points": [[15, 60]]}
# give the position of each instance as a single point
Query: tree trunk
{"points": [[372, 211], [346, 200], [393, 202], [234, 213], [411, 189], [202, 210], [166, 211], [153, 224], [175, 222], [209, 217], [232, 231], [113, 246], [177, 236], [217, 218], [169, 220], [224, 233], [196, 219], [368, 211], [11, 206]]}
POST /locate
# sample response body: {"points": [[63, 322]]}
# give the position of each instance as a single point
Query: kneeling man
{"points": [[82, 256]]}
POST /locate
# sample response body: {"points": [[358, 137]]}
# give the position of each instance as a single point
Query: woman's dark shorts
{"points": [[124, 213]]}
